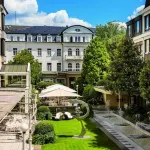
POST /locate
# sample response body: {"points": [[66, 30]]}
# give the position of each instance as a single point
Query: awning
{"points": [[8, 100]]}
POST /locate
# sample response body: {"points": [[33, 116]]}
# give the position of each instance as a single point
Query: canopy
{"points": [[55, 87], [59, 93]]}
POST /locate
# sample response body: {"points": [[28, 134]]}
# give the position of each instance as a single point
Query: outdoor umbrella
{"points": [[57, 86]]}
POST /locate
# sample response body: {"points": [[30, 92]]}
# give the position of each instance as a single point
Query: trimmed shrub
{"points": [[43, 113], [44, 133]]}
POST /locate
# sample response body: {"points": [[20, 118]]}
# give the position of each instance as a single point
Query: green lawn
{"points": [[66, 129]]}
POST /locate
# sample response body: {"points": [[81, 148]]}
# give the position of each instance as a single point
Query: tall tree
{"points": [[144, 79], [25, 57], [95, 62], [125, 68]]}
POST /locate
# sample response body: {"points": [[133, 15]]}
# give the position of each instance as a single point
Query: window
{"points": [[84, 51], [76, 39], [48, 52], [58, 52], [39, 38], [77, 52], [40, 66], [69, 67], [77, 30], [18, 38], [83, 39], [137, 28], [39, 52], [29, 38], [77, 67], [11, 38], [30, 50], [58, 66], [49, 67], [69, 52], [79, 39], [15, 51], [49, 39], [58, 39], [147, 22], [129, 30], [147, 46], [140, 48], [71, 39]]}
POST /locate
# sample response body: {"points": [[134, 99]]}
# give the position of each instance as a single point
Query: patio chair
{"points": [[68, 115], [59, 115]]}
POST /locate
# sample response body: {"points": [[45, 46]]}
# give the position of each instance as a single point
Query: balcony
{"points": [[74, 57], [73, 69]]}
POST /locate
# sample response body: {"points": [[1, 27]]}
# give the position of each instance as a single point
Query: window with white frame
{"points": [[49, 38], [39, 38], [49, 66], [15, 51], [79, 39], [77, 67], [39, 52], [147, 46], [48, 52], [29, 38], [76, 39], [30, 50], [58, 66], [69, 52], [58, 52], [12, 38], [58, 39], [77, 52], [40, 65], [70, 67], [18, 38], [83, 39], [84, 51]]}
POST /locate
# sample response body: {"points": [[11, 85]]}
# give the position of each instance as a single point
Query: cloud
{"points": [[27, 14], [121, 24], [135, 13]]}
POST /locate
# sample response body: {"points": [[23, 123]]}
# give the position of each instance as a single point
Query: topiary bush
{"points": [[44, 133], [43, 113]]}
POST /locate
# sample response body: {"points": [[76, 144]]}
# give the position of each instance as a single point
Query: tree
{"points": [[108, 31], [25, 57], [124, 69], [144, 80], [95, 63]]}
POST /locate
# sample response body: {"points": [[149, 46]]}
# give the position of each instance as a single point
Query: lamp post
{"points": [[24, 128], [77, 87]]}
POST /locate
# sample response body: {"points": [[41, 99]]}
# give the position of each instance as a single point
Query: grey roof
{"points": [[53, 30]]}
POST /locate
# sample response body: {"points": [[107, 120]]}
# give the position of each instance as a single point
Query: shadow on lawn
{"points": [[65, 136], [100, 139]]}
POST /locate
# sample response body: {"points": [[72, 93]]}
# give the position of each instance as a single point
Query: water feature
{"points": [[134, 133]]}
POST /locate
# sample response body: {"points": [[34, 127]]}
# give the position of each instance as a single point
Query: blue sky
{"points": [[68, 12]]}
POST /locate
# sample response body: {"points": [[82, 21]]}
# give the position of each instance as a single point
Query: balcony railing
{"points": [[73, 69], [74, 57]]}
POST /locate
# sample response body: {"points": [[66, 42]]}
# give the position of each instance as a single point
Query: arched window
{"points": [[70, 67], [77, 52], [69, 52], [77, 67]]}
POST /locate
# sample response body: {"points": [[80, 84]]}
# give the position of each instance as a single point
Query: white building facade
{"points": [[59, 50], [3, 13], [139, 29]]}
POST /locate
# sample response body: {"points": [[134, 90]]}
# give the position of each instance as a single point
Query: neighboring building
{"points": [[3, 13], [139, 29], [59, 50]]}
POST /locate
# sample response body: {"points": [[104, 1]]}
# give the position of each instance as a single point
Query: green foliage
{"points": [[144, 79], [89, 92], [95, 63], [43, 84], [108, 31], [80, 84], [124, 68], [25, 57], [43, 113], [44, 133]]}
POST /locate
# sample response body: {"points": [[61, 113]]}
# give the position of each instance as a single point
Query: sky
{"points": [[70, 12]]}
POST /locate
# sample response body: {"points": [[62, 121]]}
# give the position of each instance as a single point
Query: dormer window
{"points": [[29, 38], [58, 39], [49, 39], [39, 38], [11, 38], [137, 29], [18, 38], [77, 30]]}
